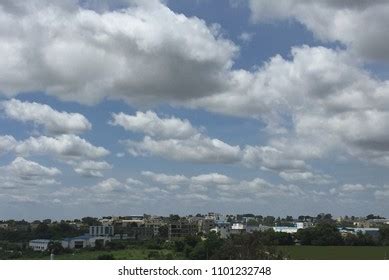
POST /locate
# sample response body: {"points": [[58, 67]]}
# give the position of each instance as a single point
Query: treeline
{"points": [[42, 231], [327, 234]]}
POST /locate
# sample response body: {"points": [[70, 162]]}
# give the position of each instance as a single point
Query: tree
{"points": [[384, 235], [42, 231], [269, 221], [55, 248], [252, 222], [163, 232], [247, 247], [373, 217], [325, 233], [289, 218], [174, 218], [105, 257], [99, 244], [90, 221]]}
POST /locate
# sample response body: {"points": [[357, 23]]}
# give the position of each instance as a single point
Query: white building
{"points": [[39, 244], [222, 229], [4, 226], [83, 241]]}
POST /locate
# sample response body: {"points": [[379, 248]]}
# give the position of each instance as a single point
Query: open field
{"points": [[336, 252], [126, 254], [294, 253]]}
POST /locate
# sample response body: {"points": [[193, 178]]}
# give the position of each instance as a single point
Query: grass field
{"points": [[293, 252], [127, 254], [336, 252]]}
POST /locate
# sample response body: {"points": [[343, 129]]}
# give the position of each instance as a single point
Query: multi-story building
{"points": [[39, 244], [101, 230], [181, 229]]}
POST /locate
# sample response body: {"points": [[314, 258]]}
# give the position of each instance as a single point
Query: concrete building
{"points": [[238, 228], [223, 231], [83, 241], [3, 226], [101, 231], [154, 224], [251, 229], [290, 230], [181, 229], [373, 232], [40, 245]]}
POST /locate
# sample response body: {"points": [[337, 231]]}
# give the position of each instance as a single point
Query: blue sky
{"points": [[128, 107]]}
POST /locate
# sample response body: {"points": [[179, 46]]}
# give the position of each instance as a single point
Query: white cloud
{"points": [[211, 178], [24, 173], [109, 185], [63, 146], [144, 53], [53, 121], [383, 193], [306, 177], [199, 149], [353, 188], [175, 139], [7, 143], [165, 179], [318, 92], [246, 37], [340, 20], [90, 168], [221, 187], [149, 123], [70, 149], [269, 158]]}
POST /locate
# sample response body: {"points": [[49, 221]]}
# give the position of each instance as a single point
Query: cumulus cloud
{"points": [[306, 177], [206, 179], [340, 20], [246, 37], [70, 149], [164, 178], [53, 121], [318, 92], [143, 53], [219, 186], [149, 123], [64, 146], [7, 143], [175, 139], [199, 149], [90, 168], [22, 173], [270, 158]]}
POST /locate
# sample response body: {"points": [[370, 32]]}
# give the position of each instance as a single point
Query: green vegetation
{"points": [[336, 252], [126, 254]]}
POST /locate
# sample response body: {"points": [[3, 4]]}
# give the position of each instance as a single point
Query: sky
{"points": [[242, 106]]}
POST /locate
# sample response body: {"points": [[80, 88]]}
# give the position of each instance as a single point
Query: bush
{"points": [[105, 257], [154, 255]]}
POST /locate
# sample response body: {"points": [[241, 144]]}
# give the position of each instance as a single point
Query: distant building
{"points": [[251, 229], [182, 228], [286, 229], [373, 232], [138, 233], [101, 231], [238, 228], [39, 244], [223, 229], [3, 226], [83, 241], [154, 224]]}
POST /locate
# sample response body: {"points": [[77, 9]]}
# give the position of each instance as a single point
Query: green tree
{"points": [[384, 235]]}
